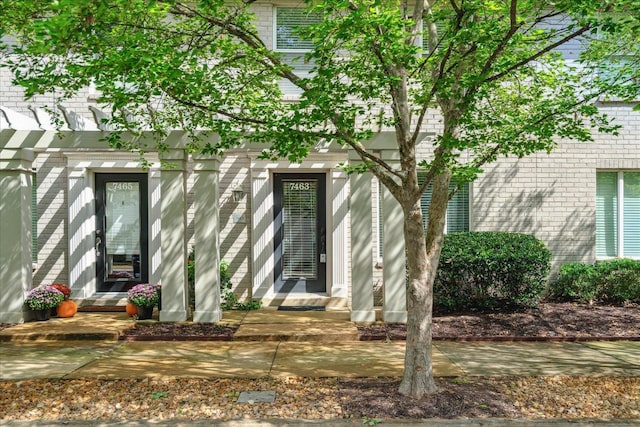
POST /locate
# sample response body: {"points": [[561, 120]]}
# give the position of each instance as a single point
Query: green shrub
{"points": [[486, 270], [621, 286], [228, 299], [611, 281], [575, 282]]}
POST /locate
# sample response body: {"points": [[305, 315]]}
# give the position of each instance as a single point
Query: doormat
{"points": [[102, 308], [301, 308]]}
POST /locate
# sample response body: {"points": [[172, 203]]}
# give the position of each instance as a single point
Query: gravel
{"points": [[318, 399]]}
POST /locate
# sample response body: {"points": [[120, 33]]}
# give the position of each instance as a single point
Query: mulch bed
{"points": [[365, 401], [547, 322], [166, 331]]}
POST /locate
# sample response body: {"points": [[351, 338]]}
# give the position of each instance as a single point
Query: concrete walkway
{"points": [[41, 350], [79, 359]]}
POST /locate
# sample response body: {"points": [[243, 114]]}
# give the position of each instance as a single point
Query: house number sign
{"points": [[300, 186], [120, 186]]}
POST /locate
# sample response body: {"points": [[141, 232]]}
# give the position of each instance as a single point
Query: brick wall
{"points": [[235, 221], [553, 195], [52, 219]]}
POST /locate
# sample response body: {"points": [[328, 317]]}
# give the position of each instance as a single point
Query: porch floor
{"points": [[254, 325]]}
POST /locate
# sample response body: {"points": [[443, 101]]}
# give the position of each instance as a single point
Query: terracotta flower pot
{"points": [[67, 308], [132, 309]]}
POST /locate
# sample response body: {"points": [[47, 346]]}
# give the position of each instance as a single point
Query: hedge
{"points": [[487, 270], [612, 281]]}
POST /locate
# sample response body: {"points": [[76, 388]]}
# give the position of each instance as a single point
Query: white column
{"points": [[15, 232], [207, 240], [261, 235], [173, 221], [81, 232], [361, 246], [340, 259], [155, 229], [393, 258]]}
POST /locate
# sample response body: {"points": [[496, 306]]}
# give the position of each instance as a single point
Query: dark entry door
{"points": [[121, 239], [300, 232]]}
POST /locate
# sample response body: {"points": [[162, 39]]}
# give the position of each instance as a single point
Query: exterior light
{"points": [[237, 193]]}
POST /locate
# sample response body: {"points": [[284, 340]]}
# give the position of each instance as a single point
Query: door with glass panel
{"points": [[121, 237], [300, 232]]}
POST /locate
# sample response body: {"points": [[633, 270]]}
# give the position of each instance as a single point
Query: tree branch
{"points": [[513, 28], [250, 39], [538, 54]]}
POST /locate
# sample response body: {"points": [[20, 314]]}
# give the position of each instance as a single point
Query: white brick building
{"points": [[582, 200]]}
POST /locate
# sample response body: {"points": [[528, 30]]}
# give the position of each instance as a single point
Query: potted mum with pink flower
{"points": [[42, 299], [145, 297]]}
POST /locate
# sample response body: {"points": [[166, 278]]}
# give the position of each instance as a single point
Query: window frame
{"points": [[379, 216], [275, 31], [620, 220]]}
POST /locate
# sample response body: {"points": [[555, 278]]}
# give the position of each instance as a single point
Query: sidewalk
{"points": [[282, 344]]}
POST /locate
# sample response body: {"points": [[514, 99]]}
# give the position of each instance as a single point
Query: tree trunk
{"points": [[422, 264]]}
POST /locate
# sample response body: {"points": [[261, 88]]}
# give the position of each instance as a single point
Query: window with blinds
{"points": [[618, 214], [286, 40], [631, 214], [299, 219], [287, 22], [606, 214], [457, 211]]}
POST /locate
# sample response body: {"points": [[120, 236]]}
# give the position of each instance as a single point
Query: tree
{"points": [[491, 69]]}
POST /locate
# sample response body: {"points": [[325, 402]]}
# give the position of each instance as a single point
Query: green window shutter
{"points": [[288, 20], [631, 214], [34, 217], [606, 214]]}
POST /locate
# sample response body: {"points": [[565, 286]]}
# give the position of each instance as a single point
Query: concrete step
{"points": [[316, 332], [81, 327], [258, 325]]}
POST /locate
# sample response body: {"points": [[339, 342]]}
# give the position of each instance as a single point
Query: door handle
{"points": [[98, 243], [323, 245]]}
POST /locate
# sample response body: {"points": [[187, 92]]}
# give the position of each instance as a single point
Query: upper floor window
{"points": [[287, 22], [618, 214]]}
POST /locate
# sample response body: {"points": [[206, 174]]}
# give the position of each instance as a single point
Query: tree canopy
{"points": [[486, 77]]}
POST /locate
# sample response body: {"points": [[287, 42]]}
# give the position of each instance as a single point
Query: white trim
{"points": [[262, 231], [82, 168], [275, 30], [620, 219]]}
